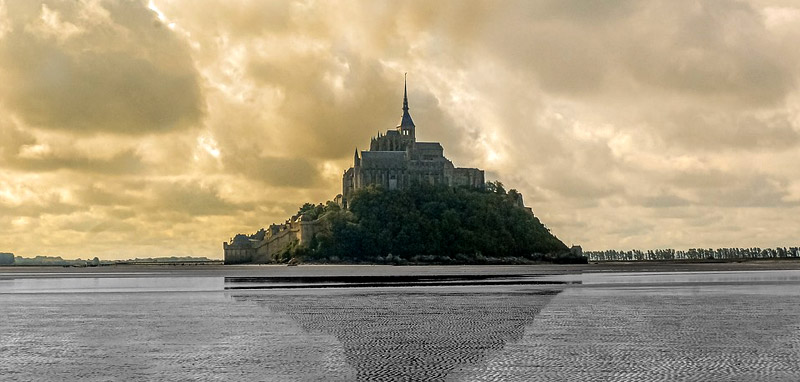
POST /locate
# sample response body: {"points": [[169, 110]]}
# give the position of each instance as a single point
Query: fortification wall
{"points": [[307, 231], [274, 244], [6, 258], [471, 177], [262, 252], [238, 254]]}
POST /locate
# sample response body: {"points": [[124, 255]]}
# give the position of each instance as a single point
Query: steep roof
{"points": [[406, 121]]}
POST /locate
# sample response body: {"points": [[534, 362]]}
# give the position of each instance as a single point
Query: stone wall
{"points": [[278, 238], [470, 177], [238, 254], [6, 258], [275, 243]]}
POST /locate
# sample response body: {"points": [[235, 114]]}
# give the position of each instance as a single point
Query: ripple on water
{"points": [[612, 335], [418, 334]]}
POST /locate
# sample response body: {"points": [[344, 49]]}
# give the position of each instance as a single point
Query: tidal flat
{"points": [[615, 322]]}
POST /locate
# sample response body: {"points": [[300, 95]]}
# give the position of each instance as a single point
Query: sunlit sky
{"points": [[161, 128]]}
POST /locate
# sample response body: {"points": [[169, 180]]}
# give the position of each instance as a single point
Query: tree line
{"points": [[695, 254]]}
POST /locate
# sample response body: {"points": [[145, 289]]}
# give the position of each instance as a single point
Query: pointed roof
{"points": [[406, 121]]}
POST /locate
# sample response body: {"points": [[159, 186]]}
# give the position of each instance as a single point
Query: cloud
{"points": [[324, 111], [276, 171], [22, 150], [46, 204], [97, 66], [115, 195], [165, 127], [664, 200], [126, 162], [757, 190], [730, 130], [720, 51], [12, 138], [189, 198]]}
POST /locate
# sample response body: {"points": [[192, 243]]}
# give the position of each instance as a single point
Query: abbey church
{"points": [[396, 160]]}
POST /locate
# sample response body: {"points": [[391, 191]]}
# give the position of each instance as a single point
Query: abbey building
{"points": [[396, 160]]}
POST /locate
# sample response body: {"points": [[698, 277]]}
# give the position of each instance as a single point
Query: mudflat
{"points": [[342, 270], [595, 322]]}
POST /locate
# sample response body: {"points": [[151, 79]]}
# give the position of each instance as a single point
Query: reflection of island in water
{"points": [[414, 334]]}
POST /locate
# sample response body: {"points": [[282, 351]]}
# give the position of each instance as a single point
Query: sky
{"points": [[164, 127]]}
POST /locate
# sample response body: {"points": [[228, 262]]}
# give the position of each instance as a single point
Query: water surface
{"points": [[678, 326]]}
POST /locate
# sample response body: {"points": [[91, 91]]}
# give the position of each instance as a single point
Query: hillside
{"points": [[437, 225]]}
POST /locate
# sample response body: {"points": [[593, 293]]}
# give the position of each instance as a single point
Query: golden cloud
{"points": [[159, 128]]}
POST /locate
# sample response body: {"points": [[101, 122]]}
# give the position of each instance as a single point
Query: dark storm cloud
{"points": [[718, 50], [88, 67], [22, 151]]}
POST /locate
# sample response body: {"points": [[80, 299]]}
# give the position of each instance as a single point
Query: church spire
{"points": [[406, 123], [405, 93]]}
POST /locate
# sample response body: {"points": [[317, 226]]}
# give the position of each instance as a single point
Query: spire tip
{"points": [[405, 92]]}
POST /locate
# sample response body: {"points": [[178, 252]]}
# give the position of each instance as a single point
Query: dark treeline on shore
{"points": [[695, 254], [57, 261]]}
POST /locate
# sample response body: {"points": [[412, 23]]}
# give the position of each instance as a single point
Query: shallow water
{"points": [[678, 326]]}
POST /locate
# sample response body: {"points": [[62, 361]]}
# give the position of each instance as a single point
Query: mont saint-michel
{"points": [[403, 202]]}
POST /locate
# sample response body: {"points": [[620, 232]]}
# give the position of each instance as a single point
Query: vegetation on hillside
{"points": [[429, 224]]}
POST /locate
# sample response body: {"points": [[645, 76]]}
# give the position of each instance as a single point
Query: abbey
{"points": [[396, 160]]}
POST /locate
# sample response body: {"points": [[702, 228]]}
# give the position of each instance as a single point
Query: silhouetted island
{"points": [[404, 202]]}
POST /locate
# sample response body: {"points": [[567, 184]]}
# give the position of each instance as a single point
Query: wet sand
{"points": [[670, 322], [345, 270]]}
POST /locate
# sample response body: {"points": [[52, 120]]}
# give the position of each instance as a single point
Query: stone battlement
{"points": [[262, 246]]}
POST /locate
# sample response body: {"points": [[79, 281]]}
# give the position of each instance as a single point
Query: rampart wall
{"points": [[238, 254], [277, 239]]}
